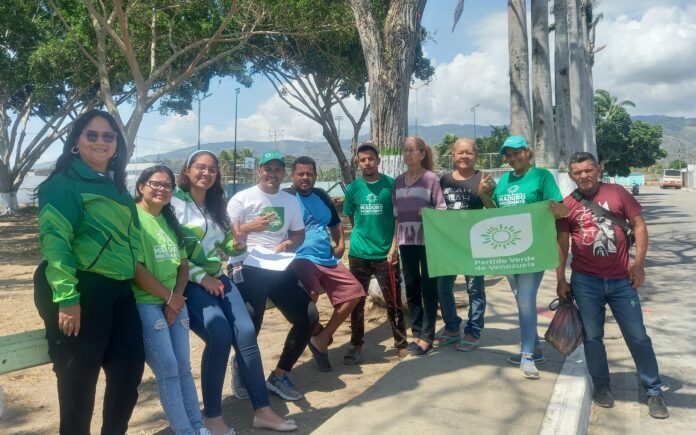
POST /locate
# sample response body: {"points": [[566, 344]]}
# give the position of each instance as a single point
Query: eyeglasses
{"points": [[157, 185], [212, 170], [410, 151], [93, 136]]}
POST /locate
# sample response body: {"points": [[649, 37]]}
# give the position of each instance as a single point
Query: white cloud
{"points": [[649, 60]]}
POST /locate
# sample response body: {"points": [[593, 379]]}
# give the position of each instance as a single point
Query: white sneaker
{"points": [[204, 431], [529, 370], [238, 388]]}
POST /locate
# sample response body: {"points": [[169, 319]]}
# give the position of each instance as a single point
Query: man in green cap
{"points": [[272, 219]]}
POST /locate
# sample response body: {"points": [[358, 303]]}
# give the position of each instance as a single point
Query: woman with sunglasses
{"points": [[89, 235], [159, 294], [414, 190], [217, 311], [526, 184]]}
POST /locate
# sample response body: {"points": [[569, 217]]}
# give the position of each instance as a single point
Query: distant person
{"points": [[607, 277], [526, 184], [159, 294], [318, 264], [217, 311], [89, 235], [368, 204], [414, 190], [272, 219], [466, 188]]}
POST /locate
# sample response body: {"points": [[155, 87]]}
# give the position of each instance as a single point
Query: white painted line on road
{"points": [[569, 408]]}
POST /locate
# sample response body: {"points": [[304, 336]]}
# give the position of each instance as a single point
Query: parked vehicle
{"points": [[671, 178]]}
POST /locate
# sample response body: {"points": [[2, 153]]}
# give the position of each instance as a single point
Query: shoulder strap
{"points": [[600, 211]]}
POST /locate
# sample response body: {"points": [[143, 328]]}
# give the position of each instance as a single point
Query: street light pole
{"points": [[473, 109], [416, 88], [199, 118], [234, 155]]}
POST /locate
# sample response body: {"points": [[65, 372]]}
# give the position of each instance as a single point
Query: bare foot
{"points": [[216, 425]]}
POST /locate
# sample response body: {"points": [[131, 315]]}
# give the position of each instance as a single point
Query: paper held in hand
{"points": [[264, 258]]}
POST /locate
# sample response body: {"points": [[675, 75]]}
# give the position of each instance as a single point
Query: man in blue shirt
{"points": [[317, 263]]}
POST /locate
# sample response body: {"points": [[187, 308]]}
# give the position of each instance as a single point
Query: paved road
{"points": [[669, 306]]}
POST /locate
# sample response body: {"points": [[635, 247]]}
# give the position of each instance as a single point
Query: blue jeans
{"points": [[592, 294], [525, 287], [223, 322], [167, 354], [477, 304]]}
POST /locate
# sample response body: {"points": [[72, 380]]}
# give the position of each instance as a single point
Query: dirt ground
{"points": [[30, 395]]}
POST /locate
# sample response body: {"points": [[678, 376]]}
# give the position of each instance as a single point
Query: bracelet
{"points": [[171, 293]]}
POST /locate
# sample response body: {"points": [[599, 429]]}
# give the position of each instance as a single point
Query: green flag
{"points": [[495, 241]]}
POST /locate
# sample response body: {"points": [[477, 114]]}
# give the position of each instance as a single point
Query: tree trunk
{"points": [[343, 163], [577, 140], [520, 107], [389, 55], [544, 138], [562, 89], [8, 203], [588, 113]]}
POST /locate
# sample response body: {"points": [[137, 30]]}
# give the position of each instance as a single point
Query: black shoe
{"points": [[412, 346], [419, 351], [602, 397], [657, 407]]}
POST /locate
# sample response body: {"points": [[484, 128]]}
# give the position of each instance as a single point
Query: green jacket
{"points": [[85, 224]]}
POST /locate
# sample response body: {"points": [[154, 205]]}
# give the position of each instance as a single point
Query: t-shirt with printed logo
{"points": [[370, 205], [599, 247], [161, 255], [462, 194], [537, 184]]}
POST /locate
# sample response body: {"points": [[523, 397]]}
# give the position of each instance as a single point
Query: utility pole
{"points": [[416, 88], [339, 118], [234, 156], [203, 97], [473, 109], [275, 134]]}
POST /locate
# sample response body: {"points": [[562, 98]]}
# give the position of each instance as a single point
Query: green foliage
{"points": [[443, 152], [623, 143], [677, 164], [491, 145]]}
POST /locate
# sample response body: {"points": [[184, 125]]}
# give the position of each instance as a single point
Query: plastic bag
{"points": [[565, 330]]}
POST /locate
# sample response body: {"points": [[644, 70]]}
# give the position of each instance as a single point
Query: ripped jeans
{"points": [[167, 354]]}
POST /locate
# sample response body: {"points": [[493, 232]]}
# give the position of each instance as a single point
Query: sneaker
{"points": [[529, 370], [238, 388], [602, 397], [657, 407], [282, 386], [538, 358], [204, 431]]}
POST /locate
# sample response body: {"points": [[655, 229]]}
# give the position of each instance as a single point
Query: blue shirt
{"points": [[318, 216]]}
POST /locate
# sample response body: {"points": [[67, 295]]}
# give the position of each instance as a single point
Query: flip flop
{"points": [[352, 357], [446, 340], [322, 358], [468, 345]]}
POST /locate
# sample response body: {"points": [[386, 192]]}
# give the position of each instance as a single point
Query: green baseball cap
{"points": [[513, 142], [271, 155]]}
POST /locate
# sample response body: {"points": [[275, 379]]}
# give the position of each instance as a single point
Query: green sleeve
{"points": [[60, 212], [200, 264], [348, 208], [549, 187]]}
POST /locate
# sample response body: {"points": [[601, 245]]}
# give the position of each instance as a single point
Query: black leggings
{"points": [[421, 292], [110, 338], [292, 301]]}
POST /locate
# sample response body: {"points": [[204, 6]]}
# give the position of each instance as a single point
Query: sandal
{"points": [[467, 344], [445, 340], [352, 357]]}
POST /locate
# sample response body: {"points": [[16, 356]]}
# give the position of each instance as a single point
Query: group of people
{"points": [[123, 280]]}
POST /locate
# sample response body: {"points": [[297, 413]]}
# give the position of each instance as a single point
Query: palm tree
{"points": [[562, 83], [544, 137], [520, 107], [608, 105]]}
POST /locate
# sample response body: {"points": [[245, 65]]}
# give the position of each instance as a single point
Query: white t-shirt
{"points": [[251, 203]]}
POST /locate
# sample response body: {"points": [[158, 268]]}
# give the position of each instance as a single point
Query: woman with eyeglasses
{"points": [[159, 295], [526, 184], [89, 235], [217, 311], [414, 190]]}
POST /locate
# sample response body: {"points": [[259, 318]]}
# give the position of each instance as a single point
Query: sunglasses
{"points": [[157, 185], [212, 170], [93, 136]]}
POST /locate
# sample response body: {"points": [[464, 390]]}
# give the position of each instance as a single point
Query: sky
{"points": [[650, 47]]}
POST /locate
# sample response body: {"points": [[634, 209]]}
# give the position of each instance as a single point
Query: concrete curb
{"points": [[569, 408]]}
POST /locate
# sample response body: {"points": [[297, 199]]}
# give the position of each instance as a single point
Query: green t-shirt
{"points": [[160, 254], [537, 184], [370, 204]]}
